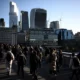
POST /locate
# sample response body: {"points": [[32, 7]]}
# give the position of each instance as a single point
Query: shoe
{"points": [[8, 73]]}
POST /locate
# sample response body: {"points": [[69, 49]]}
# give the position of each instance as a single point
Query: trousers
{"points": [[9, 67]]}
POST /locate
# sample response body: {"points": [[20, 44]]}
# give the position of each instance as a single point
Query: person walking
{"points": [[74, 66], [9, 60], [21, 61], [34, 61], [53, 59], [59, 60]]}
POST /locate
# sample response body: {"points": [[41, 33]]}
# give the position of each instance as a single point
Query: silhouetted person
{"points": [[9, 60], [59, 59], [1, 52], [74, 65], [33, 63], [21, 61], [52, 60]]}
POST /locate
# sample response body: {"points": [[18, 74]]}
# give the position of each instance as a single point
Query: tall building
{"points": [[54, 25], [13, 14], [2, 23], [38, 18], [24, 20]]}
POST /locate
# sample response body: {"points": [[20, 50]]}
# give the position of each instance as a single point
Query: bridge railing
{"points": [[66, 58]]}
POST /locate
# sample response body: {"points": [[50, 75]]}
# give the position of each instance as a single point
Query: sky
{"points": [[68, 11]]}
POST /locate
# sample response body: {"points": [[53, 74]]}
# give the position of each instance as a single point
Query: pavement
{"points": [[43, 73]]}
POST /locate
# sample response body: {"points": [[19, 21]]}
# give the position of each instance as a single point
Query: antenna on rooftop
{"points": [[60, 22], [48, 23]]}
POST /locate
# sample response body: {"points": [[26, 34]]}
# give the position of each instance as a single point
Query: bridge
{"points": [[43, 72]]}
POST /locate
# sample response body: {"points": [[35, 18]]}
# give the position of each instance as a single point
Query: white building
{"points": [[38, 18], [13, 14]]}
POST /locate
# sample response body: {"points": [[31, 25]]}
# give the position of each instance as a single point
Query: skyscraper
{"points": [[24, 21], [54, 25], [2, 23], [38, 18], [13, 14]]}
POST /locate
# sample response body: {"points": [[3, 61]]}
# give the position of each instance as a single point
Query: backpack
{"points": [[75, 62], [9, 56]]}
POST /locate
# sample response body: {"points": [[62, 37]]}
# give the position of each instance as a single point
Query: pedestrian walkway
{"points": [[42, 75]]}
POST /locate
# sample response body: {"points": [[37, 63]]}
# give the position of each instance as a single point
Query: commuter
{"points": [[21, 61], [74, 66], [53, 59], [25, 50], [59, 59], [46, 51], [14, 50], [33, 63], [17, 51], [39, 56], [78, 56], [1, 52], [9, 60]]}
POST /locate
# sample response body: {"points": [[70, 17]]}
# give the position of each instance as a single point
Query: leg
{"points": [[77, 75], [57, 66], [7, 67], [22, 70], [10, 67], [73, 73], [34, 74], [18, 69]]}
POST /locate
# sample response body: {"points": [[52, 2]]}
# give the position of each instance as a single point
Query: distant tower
{"points": [[24, 20], [38, 18], [2, 23], [54, 25], [13, 14]]}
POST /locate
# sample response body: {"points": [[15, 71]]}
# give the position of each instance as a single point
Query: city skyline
{"points": [[67, 11]]}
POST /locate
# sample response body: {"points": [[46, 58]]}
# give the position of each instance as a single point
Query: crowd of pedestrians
{"points": [[36, 54]]}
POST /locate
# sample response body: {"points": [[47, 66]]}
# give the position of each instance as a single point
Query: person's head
{"points": [[73, 54], [20, 52], [60, 51], [9, 48], [54, 50]]}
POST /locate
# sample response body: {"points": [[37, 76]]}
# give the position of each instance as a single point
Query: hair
{"points": [[73, 54], [20, 52]]}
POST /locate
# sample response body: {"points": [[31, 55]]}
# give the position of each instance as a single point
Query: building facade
{"points": [[42, 37], [77, 36], [8, 36], [13, 14], [21, 38], [38, 18], [65, 34], [24, 20], [54, 25]]}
